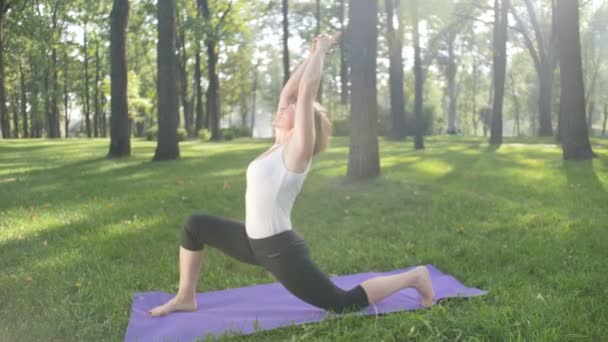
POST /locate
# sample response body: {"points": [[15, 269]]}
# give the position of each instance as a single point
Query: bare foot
{"points": [[175, 304], [424, 286]]}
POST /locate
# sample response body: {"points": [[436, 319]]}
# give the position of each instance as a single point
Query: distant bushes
{"points": [[152, 134]]}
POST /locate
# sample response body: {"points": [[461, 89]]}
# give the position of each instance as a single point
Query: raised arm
{"points": [[303, 131], [290, 89]]}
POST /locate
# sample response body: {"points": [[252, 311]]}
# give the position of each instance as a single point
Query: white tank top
{"points": [[271, 192]]}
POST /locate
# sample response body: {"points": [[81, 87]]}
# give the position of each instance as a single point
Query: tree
{"points": [[544, 60], [120, 144], [363, 160], [573, 129], [87, 111], [168, 107], [395, 46], [343, 62], [4, 121], [285, 8], [213, 36], [418, 83], [500, 66]]}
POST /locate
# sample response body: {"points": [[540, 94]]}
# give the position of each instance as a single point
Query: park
{"points": [[442, 170]]}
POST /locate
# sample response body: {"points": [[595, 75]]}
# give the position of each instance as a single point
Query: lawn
{"points": [[79, 234]]}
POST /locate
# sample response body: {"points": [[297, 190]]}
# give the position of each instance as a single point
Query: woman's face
{"points": [[285, 117]]}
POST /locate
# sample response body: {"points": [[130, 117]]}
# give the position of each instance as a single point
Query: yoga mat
{"points": [[249, 309]]}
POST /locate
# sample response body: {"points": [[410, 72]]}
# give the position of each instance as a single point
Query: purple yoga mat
{"points": [[263, 307]]}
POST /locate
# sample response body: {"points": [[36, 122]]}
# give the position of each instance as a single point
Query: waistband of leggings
{"points": [[274, 242]]}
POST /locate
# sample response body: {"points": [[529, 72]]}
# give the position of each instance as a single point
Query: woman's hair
{"points": [[323, 128]]}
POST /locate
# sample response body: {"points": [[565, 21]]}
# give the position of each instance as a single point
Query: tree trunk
{"points": [[199, 90], [168, 106], [104, 120], [474, 118], [574, 135], [97, 117], [451, 73], [183, 80], [26, 133], [516, 104], [213, 106], [120, 143], [418, 82], [253, 103], [15, 105], [4, 122], [35, 116], [87, 111], [544, 99], [395, 46], [363, 160], [500, 65], [590, 117], [54, 124], [66, 96], [343, 61], [605, 118], [286, 74], [47, 96]]}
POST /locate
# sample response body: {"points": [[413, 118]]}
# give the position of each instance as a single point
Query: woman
{"points": [[273, 182]]}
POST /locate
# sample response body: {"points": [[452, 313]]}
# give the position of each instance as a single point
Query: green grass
{"points": [[79, 234]]}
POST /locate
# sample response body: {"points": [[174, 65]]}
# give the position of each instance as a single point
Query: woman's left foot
{"points": [[424, 286]]}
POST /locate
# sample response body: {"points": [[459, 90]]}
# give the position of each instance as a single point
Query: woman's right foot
{"points": [[175, 304], [424, 286]]}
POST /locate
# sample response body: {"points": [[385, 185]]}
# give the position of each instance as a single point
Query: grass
{"points": [[79, 234]]}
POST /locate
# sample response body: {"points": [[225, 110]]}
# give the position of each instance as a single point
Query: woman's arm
{"points": [[303, 132], [290, 89]]}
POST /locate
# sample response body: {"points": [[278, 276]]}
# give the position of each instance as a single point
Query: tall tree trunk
{"points": [[605, 119], [87, 108], [54, 124], [544, 100], [286, 73], [104, 120], [66, 96], [15, 104], [395, 46], [474, 111], [574, 135], [183, 80], [515, 102], [213, 105], [500, 65], [47, 96], [343, 61], [97, 117], [26, 133], [253, 103], [120, 143], [590, 117], [168, 106], [418, 82], [452, 95], [35, 116], [199, 91], [363, 160], [197, 76], [4, 122]]}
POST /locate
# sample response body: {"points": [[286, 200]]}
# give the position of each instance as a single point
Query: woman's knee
{"points": [[193, 232]]}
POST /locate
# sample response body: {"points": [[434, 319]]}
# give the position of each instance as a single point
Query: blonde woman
{"points": [[266, 238]]}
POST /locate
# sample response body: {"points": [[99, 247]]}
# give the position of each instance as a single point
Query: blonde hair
{"points": [[323, 128]]}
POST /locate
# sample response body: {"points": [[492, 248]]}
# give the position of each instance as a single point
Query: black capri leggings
{"points": [[285, 255]]}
